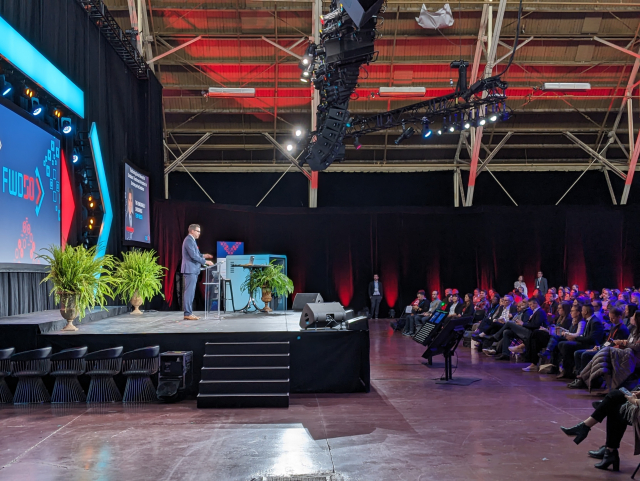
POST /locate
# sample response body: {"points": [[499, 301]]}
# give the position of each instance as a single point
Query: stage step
{"points": [[244, 374], [243, 400], [252, 386], [245, 360], [246, 348]]}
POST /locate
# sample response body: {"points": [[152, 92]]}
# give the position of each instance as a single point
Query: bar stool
{"points": [[139, 365], [29, 367], [225, 283], [66, 366], [5, 371], [101, 367]]}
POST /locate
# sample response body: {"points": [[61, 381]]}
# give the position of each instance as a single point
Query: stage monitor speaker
{"points": [[325, 314], [360, 323], [175, 375], [349, 314], [303, 298]]}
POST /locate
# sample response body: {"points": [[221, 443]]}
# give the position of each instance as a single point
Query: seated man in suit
{"points": [[422, 307], [521, 329], [592, 336]]}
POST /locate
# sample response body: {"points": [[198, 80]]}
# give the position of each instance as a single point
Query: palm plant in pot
{"points": [[80, 281], [270, 279], [138, 277]]}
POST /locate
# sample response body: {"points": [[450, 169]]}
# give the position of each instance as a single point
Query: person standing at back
{"points": [[541, 284], [192, 261], [375, 295]]}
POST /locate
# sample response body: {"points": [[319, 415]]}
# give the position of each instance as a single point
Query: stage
{"points": [[320, 361]]}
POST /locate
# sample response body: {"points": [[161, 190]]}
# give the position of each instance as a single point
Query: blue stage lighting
{"points": [[107, 218], [65, 125], [75, 158], [37, 111]]}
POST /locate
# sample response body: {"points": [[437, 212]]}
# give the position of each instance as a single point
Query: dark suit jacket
{"points": [[192, 260], [542, 285], [593, 333], [539, 318], [458, 308], [468, 311], [423, 306], [372, 288]]}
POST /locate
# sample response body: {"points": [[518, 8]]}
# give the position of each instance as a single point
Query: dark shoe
{"points": [[406, 333], [580, 431], [577, 384], [502, 357], [599, 454], [611, 456], [596, 404]]}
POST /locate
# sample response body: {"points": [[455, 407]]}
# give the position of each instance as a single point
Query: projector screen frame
{"points": [[18, 266], [132, 243]]}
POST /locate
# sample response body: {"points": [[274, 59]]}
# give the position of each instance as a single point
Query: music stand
{"points": [[246, 309], [446, 342]]}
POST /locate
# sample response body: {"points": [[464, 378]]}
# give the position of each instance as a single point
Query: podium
{"points": [[212, 291]]}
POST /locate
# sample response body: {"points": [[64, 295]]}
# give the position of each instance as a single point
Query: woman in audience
{"points": [[629, 311], [619, 410], [467, 307], [560, 294], [550, 357]]}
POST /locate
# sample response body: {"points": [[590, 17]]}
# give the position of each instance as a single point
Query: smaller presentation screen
{"points": [[438, 316], [137, 225]]}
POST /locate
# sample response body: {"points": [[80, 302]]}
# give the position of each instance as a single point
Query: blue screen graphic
{"points": [[30, 193]]}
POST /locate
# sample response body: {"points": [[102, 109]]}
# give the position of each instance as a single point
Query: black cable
{"points": [[515, 45]]}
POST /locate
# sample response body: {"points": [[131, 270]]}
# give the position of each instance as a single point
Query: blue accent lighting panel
{"points": [[107, 218], [34, 65]]}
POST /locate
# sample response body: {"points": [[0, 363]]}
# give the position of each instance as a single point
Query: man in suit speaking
{"points": [[192, 261]]}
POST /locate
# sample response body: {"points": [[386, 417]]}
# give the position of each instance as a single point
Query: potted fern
{"points": [[270, 279], [80, 281], [138, 277]]}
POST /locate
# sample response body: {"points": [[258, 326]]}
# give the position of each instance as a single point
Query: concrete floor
{"points": [[507, 426]]}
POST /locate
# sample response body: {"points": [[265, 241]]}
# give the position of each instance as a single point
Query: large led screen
{"points": [[30, 195]]}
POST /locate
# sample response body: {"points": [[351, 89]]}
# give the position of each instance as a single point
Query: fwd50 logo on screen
{"points": [[23, 186]]}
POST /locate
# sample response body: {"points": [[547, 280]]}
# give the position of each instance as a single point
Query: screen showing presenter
{"points": [[192, 261]]}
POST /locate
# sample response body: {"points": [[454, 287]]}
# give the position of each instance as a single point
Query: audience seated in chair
{"points": [[545, 339], [520, 329], [420, 308]]}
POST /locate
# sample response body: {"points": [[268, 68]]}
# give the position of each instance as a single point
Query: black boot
{"points": [[611, 456], [599, 454], [580, 431]]}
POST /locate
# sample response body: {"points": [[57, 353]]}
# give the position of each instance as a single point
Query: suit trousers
{"points": [[567, 350], [616, 424], [582, 357], [511, 331], [375, 306], [189, 292]]}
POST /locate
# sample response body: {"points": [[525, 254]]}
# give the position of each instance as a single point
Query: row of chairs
{"points": [[65, 366]]}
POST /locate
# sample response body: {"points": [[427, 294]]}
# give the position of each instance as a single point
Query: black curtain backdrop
{"points": [[127, 111], [22, 292], [336, 251]]}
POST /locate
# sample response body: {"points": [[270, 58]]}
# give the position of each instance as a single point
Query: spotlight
{"points": [[29, 92], [5, 87], [426, 131], [298, 133], [305, 73], [75, 158], [305, 61], [36, 108], [481, 121], [406, 133], [466, 124], [439, 132], [65, 124], [493, 118], [289, 147], [356, 143], [57, 113], [452, 128], [302, 79]]}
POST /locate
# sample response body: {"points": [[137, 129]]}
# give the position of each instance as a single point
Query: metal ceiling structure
{"points": [[197, 44]]}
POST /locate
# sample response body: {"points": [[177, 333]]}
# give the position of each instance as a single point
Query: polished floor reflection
{"points": [[507, 426]]}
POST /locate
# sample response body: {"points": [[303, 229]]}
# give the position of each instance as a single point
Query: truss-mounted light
{"points": [[402, 91], [231, 92], [565, 86]]}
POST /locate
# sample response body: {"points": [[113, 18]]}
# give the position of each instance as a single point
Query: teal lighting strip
{"points": [[34, 65], [107, 218]]}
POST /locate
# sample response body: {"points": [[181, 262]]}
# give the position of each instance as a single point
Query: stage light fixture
{"points": [[406, 133], [57, 113], [493, 118], [5, 87], [481, 121], [426, 131], [75, 158], [65, 124], [452, 128], [298, 133], [302, 79], [466, 124], [439, 131], [36, 108], [356, 143], [28, 92], [289, 147]]}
